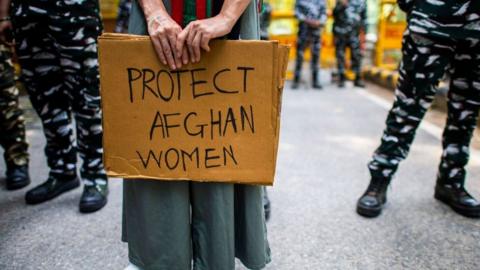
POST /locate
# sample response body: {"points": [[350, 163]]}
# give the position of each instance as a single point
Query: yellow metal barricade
{"points": [[109, 12], [391, 25]]}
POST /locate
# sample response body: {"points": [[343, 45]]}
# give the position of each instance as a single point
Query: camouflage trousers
{"points": [[351, 41], [12, 123], [123, 16], [425, 61], [307, 36], [57, 49]]}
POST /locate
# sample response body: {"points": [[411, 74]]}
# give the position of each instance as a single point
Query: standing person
{"points": [[121, 25], [12, 123], [350, 19], [57, 49], [311, 15], [169, 224], [438, 38]]}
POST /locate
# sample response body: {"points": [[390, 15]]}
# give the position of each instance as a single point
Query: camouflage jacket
{"points": [[312, 10], [457, 19], [350, 18]]}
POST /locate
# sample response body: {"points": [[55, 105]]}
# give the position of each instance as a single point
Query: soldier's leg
{"points": [[316, 44], [12, 122], [340, 44], [463, 106], [76, 41], [43, 79], [12, 126], [424, 62], [302, 39], [356, 57]]}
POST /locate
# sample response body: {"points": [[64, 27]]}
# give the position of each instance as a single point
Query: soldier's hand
{"points": [[163, 31], [6, 36], [313, 23]]}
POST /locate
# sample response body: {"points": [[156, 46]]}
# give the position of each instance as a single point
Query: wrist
{"points": [[229, 20]]}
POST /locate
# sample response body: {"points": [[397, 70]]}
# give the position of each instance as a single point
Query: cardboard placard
{"points": [[217, 120]]}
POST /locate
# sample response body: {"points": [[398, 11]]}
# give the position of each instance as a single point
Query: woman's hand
{"points": [[198, 34], [163, 31]]}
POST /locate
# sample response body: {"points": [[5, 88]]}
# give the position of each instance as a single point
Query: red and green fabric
{"points": [[186, 11]]}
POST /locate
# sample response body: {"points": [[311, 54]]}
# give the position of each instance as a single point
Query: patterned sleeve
{"points": [[323, 13], [363, 16], [405, 5], [339, 8], [299, 12]]}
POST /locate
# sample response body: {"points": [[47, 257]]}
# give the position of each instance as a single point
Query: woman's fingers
{"points": [[191, 51], [185, 56], [172, 41], [168, 52], [181, 39], [204, 43], [196, 45], [191, 40], [158, 48]]}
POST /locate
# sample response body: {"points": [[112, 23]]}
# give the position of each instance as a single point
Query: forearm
{"points": [[152, 8], [232, 10], [4, 8]]}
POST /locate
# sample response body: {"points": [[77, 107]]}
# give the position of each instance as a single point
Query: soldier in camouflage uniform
{"points": [[57, 49], [12, 123], [311, 15], [441, 37], [124, 7], [350, 18]]}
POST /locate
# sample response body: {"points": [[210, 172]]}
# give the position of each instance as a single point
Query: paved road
{"points": [[327, 138]]}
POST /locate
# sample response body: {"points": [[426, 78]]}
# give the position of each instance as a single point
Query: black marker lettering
{"points": [[131, 78], [176, 160], [216, 85], [245, 71], [208, 157], [195, 82], [230, 153], [244, 118], [146, 81], [159, 90], [158, 118]]}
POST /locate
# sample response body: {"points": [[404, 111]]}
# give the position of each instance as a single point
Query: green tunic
{"points": [[169, 225]]}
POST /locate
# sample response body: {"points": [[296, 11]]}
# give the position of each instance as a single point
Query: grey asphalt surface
{"points": [[327, 138]]}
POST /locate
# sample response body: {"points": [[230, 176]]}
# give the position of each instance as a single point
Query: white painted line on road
{"points": [[426, 126]]}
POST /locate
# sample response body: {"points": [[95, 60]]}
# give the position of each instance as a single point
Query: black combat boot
{"points": [[296, 82], [17, 177], [455, 196], [315, 82], [358, 81], [54, 186], [94, 198], [341, 80], [372, 201]]}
